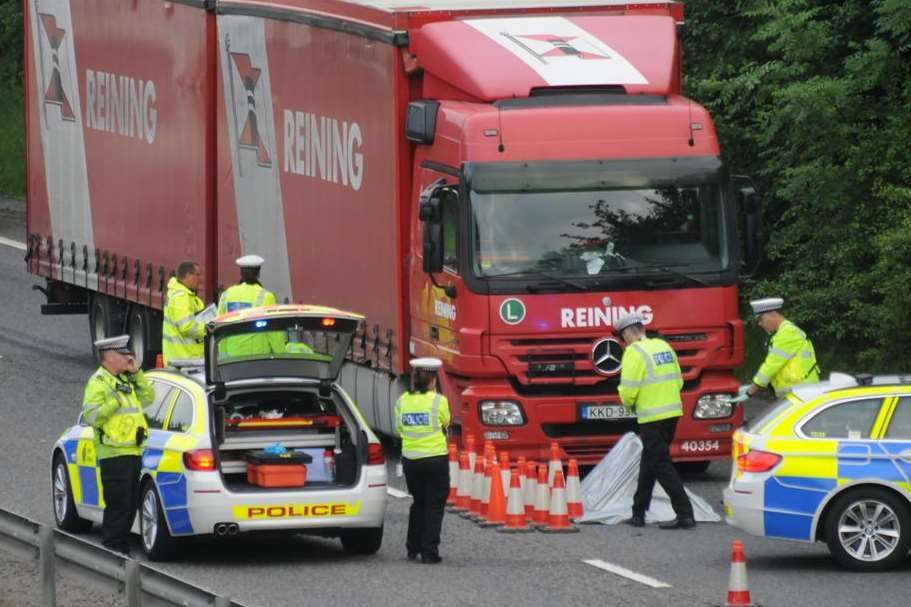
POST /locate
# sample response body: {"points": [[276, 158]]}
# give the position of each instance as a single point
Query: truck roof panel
{"points": [[474, 5]]}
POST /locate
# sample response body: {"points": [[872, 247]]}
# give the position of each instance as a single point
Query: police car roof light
{"points": [[864, 379]]}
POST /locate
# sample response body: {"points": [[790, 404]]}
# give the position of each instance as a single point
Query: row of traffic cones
{"points": [[514, 499]]}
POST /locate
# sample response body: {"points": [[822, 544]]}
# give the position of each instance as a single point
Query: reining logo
{"points": [[250, 137], [552, 46], [54, 92]]}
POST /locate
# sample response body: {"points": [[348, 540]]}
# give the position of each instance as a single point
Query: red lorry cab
{"points": [[492, 183]]}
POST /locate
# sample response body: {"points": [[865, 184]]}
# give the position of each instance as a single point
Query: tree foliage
{"points": [[10, 44], [813, 98]]}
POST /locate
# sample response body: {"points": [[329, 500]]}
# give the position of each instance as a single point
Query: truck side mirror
{"points": [[749, 204], [421, 121], [431, 215]]}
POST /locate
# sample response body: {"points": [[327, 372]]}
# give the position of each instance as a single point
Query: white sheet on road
{"points": [[607, 491]]}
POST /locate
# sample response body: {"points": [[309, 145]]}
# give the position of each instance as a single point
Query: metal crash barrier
{"points": [[58, 551]]}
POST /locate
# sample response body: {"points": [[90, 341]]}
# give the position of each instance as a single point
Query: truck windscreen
{"points": [[635, 225]]}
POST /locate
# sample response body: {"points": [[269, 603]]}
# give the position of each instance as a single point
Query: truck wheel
{"points": [[65, 514], [142, 331], [157, 541], [362, 541], [99, 319], [868, 529]]}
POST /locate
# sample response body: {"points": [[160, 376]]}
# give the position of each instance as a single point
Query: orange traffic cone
{"points": [[573, 492], [515, 511], [520, 466], [542, 498], [485, 495], [469, 447], [504, 470], [159, 361], [477, 486], [531, 488], [496, 509], [738, 588], [453, 474], [554, 464], [558, 517], [463, 493]]}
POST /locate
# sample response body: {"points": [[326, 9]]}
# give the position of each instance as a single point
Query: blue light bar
{"points": [[259, 324]]}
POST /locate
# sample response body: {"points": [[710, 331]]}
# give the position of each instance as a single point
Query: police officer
{"points": [[791, 359], [650, 383], [249, 293], [182, 332], [422, 416], [114, 398]]}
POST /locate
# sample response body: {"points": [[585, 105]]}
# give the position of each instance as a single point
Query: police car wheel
{"points": [[362, 541], [157, 542], [868, 529], [65, 514]]}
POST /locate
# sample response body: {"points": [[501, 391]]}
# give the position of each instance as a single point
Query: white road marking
{"points": [[632, 575], [397, 493], [12, 243]]}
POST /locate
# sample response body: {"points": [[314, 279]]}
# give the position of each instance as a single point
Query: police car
{"points": [[830, 462], [242, 442]]}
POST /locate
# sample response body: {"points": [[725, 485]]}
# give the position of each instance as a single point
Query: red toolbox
{"points": [[283, 470]]}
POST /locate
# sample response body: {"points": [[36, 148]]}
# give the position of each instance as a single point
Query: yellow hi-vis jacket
{"points": [[420, 419], [791, 360], [651, 380], [113, 405], [240, 297], [181, 333]]}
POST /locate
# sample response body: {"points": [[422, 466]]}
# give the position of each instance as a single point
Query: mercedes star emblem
{"points": [[607, 354]]}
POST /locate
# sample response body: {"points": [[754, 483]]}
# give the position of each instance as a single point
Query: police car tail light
{"points": [[757, 461], [201, 460], [713, 406], [501, 413], [375, 454]]}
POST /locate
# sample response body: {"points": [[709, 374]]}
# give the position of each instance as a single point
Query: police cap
{"points": [[628, 321], [767, 304], [250, 261], [426, 363], [117, 343]]}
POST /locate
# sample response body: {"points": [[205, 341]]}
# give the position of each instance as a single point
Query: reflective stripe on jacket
{"points": [[239, 297], [113, 405], [181, 332], [651, 380], [791, 360], [420, 419]]}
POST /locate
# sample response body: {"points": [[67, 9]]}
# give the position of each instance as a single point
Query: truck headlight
{"points": [[713, 406], [501, 413]]}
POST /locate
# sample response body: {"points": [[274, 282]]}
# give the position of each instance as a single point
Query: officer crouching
{"points": [[422, 416], [114, 398]]}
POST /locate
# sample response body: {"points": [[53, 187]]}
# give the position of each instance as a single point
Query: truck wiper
{"points": [[566, 281], [669, 268]]}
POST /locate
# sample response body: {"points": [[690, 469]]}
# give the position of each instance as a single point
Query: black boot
{"points": [[681, 522]]}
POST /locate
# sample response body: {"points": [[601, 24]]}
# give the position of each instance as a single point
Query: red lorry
{"points": [[492, 183]]}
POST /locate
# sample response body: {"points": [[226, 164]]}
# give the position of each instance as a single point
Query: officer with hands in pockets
{"points": [[422, 416]]}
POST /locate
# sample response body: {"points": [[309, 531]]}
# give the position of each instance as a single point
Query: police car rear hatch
{"points": [[286, 341]]}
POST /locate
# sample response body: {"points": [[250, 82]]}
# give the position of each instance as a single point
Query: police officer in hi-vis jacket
{"points": [[422, 416]]}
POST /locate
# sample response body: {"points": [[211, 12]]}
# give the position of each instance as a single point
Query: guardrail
{"points": [[56, 550]]}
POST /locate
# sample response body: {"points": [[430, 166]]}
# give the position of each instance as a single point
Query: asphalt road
{"points": [[44, 362]]}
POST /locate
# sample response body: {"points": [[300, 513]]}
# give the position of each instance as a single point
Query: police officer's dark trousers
{"points": [[120, 484], [655, 465], [428, 482]]}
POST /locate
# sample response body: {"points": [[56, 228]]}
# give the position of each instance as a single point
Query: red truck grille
{"points": [[567, 360]]}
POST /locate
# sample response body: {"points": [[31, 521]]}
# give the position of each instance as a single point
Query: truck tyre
{"points": [[157, 541], [868, 529], [65, 514], [362, 541], [99, 319], [141, 327]]}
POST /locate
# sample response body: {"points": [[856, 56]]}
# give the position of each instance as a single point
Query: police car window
{"points": [[182, 417], [900, 426], [852, 420], [155, 412]]}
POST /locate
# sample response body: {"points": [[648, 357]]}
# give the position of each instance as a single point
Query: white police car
{"points": [[203, 471]]}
